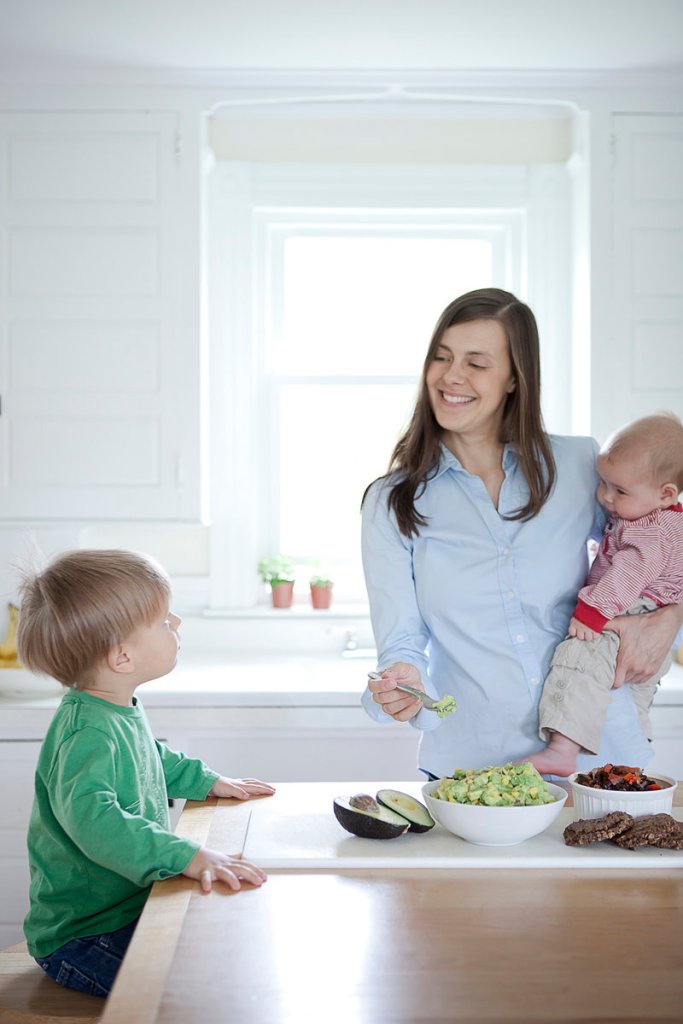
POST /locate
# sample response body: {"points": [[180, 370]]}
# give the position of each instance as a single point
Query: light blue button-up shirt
{"points": [[478, 604]]}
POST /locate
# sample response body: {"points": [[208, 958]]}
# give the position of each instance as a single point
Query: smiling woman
{"points": [[475, 544]]}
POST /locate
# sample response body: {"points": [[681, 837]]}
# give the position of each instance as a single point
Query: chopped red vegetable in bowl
{"points": [[618, 787], [617, 777]]}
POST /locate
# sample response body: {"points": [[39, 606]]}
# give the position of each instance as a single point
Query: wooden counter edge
{"points": [[139, 986]]}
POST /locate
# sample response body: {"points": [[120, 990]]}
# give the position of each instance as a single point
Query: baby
{"points": [[638, 568], [99, 835]]}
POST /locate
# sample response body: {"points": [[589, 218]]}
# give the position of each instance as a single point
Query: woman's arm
{"points": [[644, 642], [400, 632]]}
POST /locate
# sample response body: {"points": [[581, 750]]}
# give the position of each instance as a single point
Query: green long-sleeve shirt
{"points": [[99, 833]]}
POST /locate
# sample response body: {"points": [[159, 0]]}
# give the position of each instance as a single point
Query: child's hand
{"points": [[208, 866], [241, 789], [580, 631]]}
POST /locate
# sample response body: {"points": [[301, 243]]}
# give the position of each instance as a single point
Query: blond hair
{"points": [[84, 603], [657, 441]]}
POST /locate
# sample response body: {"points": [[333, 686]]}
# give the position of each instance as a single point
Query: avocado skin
{"points": [[408, 807], [369, 826]]}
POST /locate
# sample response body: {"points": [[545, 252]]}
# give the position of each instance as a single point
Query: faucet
{"points": [[352, 650], [351, 642]]}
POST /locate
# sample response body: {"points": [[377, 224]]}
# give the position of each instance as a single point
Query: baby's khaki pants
{"points": [[576, 693]]}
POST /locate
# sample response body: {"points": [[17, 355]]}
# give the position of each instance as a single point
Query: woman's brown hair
{"points": [[417, 453]]}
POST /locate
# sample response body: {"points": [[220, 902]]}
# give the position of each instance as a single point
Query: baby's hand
{"points": [[581, 632], [208, 866], [241, 789]]}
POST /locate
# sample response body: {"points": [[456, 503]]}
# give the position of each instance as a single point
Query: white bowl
{"points": [[494, 826], [594, 803]]}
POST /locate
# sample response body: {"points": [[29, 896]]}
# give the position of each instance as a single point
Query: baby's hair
{"points": [[657, 441], [84, 603]]}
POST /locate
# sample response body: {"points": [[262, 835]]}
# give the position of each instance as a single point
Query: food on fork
{"points": [[445, 706]]}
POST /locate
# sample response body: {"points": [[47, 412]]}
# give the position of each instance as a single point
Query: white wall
{"points": [[602, 272]]}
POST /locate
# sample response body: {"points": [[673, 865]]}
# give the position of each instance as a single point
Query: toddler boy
{"points": [[99, 835]]}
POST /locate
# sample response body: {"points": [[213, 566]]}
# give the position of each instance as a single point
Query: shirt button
{"points": [[511, 593], [505, 552], [558, 697], [535, 680], [519, 639], [561, 684]]}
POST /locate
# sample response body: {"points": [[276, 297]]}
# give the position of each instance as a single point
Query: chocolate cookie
{"points": [[672, 841], [647, 830], [594, 830]]}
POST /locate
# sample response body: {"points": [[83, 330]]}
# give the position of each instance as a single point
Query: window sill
{"points": [[339, 612]]}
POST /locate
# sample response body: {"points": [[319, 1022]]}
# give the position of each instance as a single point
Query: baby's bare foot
{"points": [[553, 762]]}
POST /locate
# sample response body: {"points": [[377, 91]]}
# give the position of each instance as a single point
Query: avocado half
{"points": [[364, 816], [408, 807]]}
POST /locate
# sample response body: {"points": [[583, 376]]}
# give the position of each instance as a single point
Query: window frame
{"points": [[245, 202]]}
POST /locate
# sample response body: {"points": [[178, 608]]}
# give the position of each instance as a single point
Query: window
{"points": [[324, 314]]}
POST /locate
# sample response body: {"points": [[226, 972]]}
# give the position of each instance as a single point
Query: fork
{"points": [[428, 702]]}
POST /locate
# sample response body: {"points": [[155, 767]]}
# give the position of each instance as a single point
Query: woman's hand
{"points": [[401, 706], [240, 789], [209, 866], [644, 642]]}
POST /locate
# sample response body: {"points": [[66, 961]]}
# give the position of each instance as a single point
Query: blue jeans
{"points": [[89, 964]]}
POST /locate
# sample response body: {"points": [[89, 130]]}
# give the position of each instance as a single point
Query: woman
{"points": [[475, 547]]}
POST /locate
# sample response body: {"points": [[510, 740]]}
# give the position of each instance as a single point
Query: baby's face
{"points": [[626, 490]]}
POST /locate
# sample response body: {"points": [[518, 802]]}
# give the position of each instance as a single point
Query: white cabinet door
{"points": [[99, 339], [17, 765], [646, 371]]}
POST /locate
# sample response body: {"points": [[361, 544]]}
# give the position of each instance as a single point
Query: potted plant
{"points": [[278, 572], [321, 591]]}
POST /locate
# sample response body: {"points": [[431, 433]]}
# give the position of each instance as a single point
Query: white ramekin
{"points": [[594, 803]]}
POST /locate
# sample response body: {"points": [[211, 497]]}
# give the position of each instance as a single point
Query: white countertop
{"points": [[296, 828], [213, 680]]}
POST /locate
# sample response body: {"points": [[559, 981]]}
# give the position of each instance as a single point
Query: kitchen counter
{"points": [[212, 680], [254, 682], [400, 944]]}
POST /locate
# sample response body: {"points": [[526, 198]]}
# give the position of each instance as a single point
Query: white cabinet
{"points": [[99, 321], [641, 369], [323, 744], [17, 765], [667, 723]]}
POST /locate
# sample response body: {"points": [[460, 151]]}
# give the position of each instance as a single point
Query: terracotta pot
{"points": [[321, 597], [282, 595]]}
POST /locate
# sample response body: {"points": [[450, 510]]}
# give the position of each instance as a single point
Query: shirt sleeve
{"points": [[186, 777], [399, 629], [638, 563], [84, 801]]}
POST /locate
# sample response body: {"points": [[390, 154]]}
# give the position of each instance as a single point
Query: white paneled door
{"points": [[99, 345], [647, 338]]}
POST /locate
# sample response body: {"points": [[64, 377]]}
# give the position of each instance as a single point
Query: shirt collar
{"points": [[449, 461]]}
